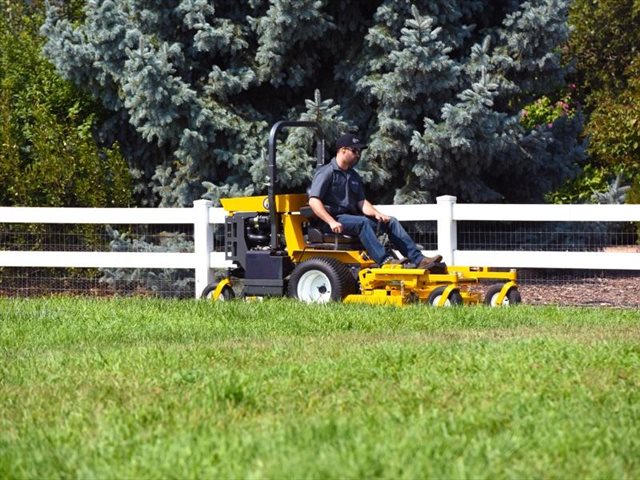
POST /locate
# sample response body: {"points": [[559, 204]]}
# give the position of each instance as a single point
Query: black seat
{"points": [[316, 238], [315, 235]]}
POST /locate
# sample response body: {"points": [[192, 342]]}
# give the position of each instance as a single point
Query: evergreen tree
{"points": [[436, 86], [465, 135]]}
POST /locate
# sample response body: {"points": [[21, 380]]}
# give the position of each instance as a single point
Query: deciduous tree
{"points": [[48, 153]]}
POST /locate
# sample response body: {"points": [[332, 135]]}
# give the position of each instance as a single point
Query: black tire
{"points": [[511, 298], [320, 280], [226, 293], [454, 299]]}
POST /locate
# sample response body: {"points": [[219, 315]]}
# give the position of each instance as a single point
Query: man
{"points": [[337, 197]]}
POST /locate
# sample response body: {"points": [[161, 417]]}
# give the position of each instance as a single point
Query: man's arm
{"points": [[318, 209], [370, 211]]}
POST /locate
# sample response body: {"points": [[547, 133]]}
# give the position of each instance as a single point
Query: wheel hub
{"points": [[314, 287]]}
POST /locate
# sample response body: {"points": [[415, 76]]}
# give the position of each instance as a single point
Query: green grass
{"points": [[135, 388]]}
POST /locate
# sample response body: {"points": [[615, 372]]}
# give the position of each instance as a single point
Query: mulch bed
{"points": [[606, 292]]}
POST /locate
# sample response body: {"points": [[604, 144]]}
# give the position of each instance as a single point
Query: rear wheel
{"points": [[320, 280], [454, 298], [493, 292]]}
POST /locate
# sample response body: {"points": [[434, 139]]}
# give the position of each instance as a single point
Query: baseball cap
{"points": [[349, 140]]}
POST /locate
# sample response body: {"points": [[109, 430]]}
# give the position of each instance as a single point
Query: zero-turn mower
{"points": [[278, 250]]}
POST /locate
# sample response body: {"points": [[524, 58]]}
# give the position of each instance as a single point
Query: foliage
{"points": [[437, 87], [543, 112], [633, 196], [278, 389], [603, 47], [603, 43], [615, 195], [48, 156], [581, 189], [634, 191], [614, 125], [48, 153]]}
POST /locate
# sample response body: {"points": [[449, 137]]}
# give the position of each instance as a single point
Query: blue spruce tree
{"points": [[451, 119], [437, 86]]}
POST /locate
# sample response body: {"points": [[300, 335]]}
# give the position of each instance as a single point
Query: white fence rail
{"points": [[446, 212]]}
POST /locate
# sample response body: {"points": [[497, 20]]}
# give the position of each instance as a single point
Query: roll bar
{"points": [[271, 159]]}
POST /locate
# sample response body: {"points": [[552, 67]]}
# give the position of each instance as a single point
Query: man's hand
{"points": [[321, 212], [336, 227], [370, 211], [381, 217]]}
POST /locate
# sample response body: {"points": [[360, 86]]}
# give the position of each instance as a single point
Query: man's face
{"points": [[351, 155]]}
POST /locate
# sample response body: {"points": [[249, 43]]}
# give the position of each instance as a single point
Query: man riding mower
{"points": [[312, 247]]}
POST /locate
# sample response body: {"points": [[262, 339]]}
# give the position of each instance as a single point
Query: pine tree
{"points": [[463, 128], [436, 86]]}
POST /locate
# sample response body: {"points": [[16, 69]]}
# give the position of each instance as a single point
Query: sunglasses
{"points": [[355, 151]]}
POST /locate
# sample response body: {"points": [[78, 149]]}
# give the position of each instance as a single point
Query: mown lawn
{"points": [[135, 388]]}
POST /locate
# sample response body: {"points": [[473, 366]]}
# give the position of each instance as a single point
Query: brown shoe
{"points": [[427, 262]]}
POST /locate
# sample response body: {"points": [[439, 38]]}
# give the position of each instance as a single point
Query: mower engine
{"points": [[247, 238]]}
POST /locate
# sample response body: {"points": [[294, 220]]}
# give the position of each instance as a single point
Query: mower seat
{"points": [[315, 235], [316, 238]]}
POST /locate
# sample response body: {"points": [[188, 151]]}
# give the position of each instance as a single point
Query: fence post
{"points": [[203, 244], [447, 228]]}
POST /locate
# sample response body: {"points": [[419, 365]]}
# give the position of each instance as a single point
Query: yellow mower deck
{"points": [[394, 285]]}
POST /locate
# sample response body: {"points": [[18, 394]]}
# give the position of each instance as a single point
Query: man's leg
{"points": [[403, 242], [365, 229]]}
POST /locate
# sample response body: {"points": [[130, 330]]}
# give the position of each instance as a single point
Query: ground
{"points": [[614, 292]]}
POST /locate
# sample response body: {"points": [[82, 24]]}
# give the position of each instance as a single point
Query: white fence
{"points": [[446, 212]]}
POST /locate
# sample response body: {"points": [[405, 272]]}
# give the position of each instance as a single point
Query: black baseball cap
{"points": [[349, 140]]}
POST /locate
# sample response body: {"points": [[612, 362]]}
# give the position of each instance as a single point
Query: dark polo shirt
{"points": [[339, 190]]}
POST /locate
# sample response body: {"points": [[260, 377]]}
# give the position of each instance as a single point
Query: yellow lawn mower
{"points": [[278, 250]]}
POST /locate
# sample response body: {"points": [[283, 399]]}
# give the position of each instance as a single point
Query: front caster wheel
{"points": [[454, 298], [493, 293], [223, 295]]}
